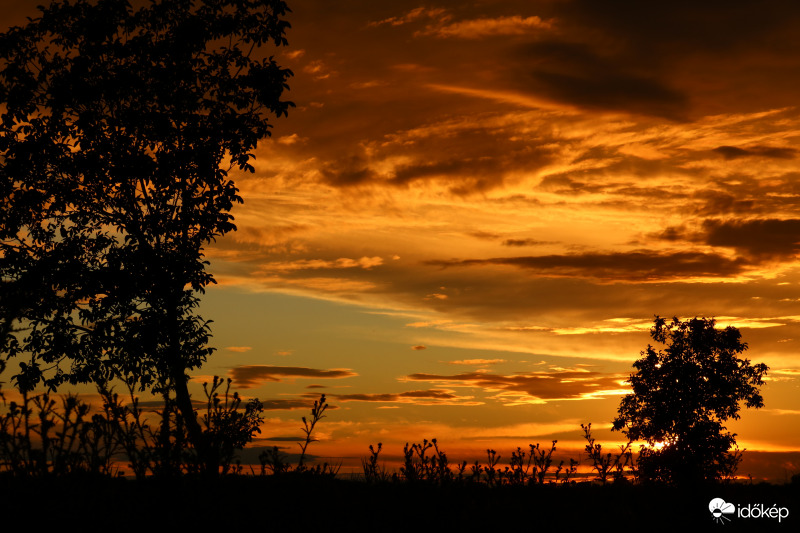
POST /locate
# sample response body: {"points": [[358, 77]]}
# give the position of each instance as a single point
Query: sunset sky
{"points": [[466, 226]]}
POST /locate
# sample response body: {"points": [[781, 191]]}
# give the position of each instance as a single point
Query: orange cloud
{"points": [[418, 397], [239, 349], [249, 376], [486, 27], [411, 16], [288, 404], [315, 264], [636, 266], [477, 362], [534, 387]]}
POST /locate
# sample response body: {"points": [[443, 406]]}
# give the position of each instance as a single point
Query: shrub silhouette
{"points": [[608, 464], [681, 397], [227, 426], [427, 463], [42, 436], [276, 462], [373, 472]]}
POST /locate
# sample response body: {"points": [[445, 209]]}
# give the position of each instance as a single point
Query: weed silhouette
{"points": [[374, 473], [275, 462], [608, 464]]}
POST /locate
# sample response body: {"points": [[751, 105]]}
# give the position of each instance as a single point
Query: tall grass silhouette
{"points": [[44, 435]]}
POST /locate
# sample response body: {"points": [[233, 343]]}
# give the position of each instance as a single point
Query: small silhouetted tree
{"points": [[118, 128], [681, 397]]}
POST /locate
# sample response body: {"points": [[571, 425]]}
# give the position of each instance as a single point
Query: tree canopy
{"points": [[119, 127], [683, 394]]}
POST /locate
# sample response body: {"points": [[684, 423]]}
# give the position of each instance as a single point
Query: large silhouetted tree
{"points": [[681, 397], [119, 127]]}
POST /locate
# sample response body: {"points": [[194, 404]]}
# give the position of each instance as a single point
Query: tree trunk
{"points": [[206, 455], [183, 400]]}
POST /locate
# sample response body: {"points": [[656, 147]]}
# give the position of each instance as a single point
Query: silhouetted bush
{"points": [[39, 437], [275, 462]]}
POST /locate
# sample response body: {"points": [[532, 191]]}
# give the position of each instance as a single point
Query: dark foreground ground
{"points": [[297, 504]]}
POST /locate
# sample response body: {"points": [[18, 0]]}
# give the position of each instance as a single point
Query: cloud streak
{"points": [[249, 376], [759, 239], [628, 267], [775, 152], [480, 28], [534, 387], [417, 397]]}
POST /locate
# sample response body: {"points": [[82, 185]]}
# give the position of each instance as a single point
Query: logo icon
{"points": [[719, 509]]}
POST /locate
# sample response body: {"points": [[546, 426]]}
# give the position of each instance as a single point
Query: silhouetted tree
{"points": [[119, 126], [683, 394]]}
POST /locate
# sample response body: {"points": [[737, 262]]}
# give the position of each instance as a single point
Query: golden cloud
{"points": [[417, 397], [477, 362], [485, 27], [534, 387], [248, 376]]}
